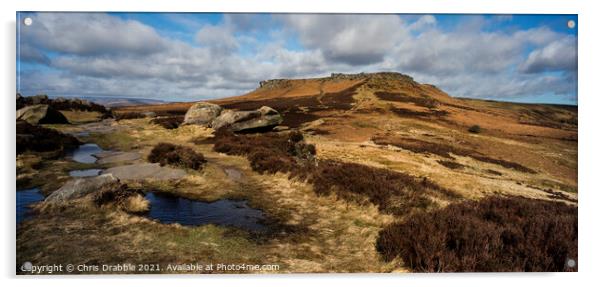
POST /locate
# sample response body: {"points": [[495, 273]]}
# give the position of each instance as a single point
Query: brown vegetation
{"points": [[268, 152], [495, 234], [443, 150], [392, 192], [450, 164], [176, 155], [121, 196], [421, 101], [40, 139], [169, 123]]}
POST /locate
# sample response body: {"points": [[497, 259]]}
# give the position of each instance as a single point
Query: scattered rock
{"points": [[145, 170], [78, 188], [41, 114], [202, 113], [116, 156]]}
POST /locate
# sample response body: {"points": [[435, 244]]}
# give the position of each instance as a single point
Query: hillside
{"points": [[365, 173], [381, 118]]}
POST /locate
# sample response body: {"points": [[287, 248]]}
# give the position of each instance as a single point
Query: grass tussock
{"points": [[444, 150], [123, 197], [495, 234], [176, 155], [171, 122]]}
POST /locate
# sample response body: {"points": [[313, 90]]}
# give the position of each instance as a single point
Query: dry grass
{"points": [[444, 150], [136, 204]]}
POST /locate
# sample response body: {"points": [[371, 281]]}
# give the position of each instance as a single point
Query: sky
{"points": [[197, 56]]}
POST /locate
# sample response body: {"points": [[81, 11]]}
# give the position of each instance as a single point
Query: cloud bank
{"points": [[120, 55]]}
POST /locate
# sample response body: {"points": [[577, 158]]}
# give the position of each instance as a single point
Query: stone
{"points": [[264, 118], [78, 188], [143, 171], [268, 119], [229, 117], [202, 113], [41, 114]]}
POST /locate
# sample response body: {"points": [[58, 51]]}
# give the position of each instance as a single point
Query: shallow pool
{"points": [[172, 209], [25, 198], [84, 153]]}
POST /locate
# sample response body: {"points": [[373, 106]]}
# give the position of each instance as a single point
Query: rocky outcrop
{"points": [[275, 84], [41, 114], [264, 118], [78, 188], [144, 171], [214, 116], [202, 113], [63, 104]]}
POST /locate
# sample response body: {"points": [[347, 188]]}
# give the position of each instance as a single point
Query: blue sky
{"points": [[195, 56]]}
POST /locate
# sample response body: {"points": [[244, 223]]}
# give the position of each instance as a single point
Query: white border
{"points": [[590, 107]]}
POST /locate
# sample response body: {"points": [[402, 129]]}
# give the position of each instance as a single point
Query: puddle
{"points": [[84, 153], [172, 209], [85, 172], [25, 198]]}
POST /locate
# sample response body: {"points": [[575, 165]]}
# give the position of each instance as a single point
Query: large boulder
{"points": [[41, 114], [78, 188], [265, 118], [245, 121], [229, 117], [202, 113]]}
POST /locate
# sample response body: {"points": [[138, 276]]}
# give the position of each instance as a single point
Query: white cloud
{"points": [[106, 55], [352, 39], [560, 55], [90, 34], [217, 37]]}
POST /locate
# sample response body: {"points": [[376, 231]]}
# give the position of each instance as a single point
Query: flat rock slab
{"points": [[81, 187], [145, 171], [116, 156]]}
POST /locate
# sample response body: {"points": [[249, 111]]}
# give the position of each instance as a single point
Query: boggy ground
{"points": [[309, 233]]}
